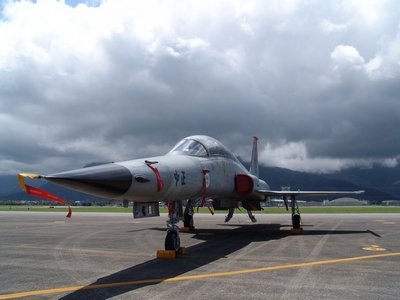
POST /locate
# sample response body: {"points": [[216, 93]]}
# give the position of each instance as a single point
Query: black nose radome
{"points": [[110, 180]]}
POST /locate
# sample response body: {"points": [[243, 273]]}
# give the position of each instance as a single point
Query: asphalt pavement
{"points": [[112, 256]]}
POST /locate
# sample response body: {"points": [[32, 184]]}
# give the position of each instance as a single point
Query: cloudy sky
{"points": [[317, 81]]}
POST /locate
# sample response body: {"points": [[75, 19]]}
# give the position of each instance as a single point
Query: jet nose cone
{"points": [[110, 180]]}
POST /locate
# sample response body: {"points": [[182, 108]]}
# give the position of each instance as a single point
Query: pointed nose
{"points": [[109, 181]]}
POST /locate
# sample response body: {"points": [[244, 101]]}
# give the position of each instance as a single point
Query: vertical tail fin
{"points": [[254, 158]]}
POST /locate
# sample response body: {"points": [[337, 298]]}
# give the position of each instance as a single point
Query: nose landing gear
{"points": [[172, 240]]}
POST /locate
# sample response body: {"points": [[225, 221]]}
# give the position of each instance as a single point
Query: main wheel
{"points": [[188, 221], [172, 241], [296, 220]]}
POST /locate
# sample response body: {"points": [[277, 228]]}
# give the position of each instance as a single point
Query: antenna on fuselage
{"points": [[254, 158]]}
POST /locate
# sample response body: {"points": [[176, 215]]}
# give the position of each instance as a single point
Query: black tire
{"points": [[172, 241], [188, 221], [296, 221]]}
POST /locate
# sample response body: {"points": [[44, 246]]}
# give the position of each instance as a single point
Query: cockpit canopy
{"points": [[203, 146]]}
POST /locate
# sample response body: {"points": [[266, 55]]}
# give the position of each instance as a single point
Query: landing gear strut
{"points": [[296, 219], [251, 216], [172, 240], [188, 216], [230, 214]]}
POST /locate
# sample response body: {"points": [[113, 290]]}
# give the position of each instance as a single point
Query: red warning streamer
{"points": [[204, 191], [34, 191], [160, 182]]}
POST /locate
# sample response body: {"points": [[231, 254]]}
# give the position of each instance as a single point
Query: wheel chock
{"points": [[182, 251], [186, 229], [296, 230], [166, 254]]}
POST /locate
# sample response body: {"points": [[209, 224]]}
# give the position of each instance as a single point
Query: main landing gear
{"points": [[188, 224], [296, 219], [172, 240]]}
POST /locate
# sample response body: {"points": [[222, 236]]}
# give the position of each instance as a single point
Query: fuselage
{"points": [[198, 166]]}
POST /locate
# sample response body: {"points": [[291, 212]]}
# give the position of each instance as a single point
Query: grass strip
{"points": [[267, 210]]}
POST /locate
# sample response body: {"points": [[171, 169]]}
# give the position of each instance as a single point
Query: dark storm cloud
{"points": [[315, 81]]}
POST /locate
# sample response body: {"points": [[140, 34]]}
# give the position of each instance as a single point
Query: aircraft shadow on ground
{"points": [[218, 243]]}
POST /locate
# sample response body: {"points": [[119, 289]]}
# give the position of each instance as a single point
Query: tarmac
{"points": [[113, 256]]}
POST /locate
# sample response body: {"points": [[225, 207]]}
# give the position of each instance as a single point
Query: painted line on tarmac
{"points": [[194, 277]]}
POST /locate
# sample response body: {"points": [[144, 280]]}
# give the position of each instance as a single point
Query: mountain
{"points": [[8, 185], [379, 183], [378, 177]]}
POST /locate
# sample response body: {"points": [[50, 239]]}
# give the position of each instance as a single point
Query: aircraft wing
{"points": [[292, 194], [305, 193]]}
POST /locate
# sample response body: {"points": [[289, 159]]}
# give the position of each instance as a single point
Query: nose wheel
{"points": [[172, 240]]}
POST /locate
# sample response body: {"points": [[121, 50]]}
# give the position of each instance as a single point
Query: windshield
{"points": [[205, 146], [190, 147]]}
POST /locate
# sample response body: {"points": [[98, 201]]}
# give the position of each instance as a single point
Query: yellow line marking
{"points": [[194, 277], [388, 223]]}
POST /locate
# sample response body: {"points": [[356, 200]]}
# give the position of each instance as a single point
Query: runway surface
{"points": [[112, 256]]}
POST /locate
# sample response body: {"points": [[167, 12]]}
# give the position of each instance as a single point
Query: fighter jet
{"points": [[198, 171]]}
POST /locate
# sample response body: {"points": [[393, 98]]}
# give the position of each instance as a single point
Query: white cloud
{"points": [[329, 27], [385, 64], [127, 79], [184, 48], [369, 12], [294, 155], [344, 55], [373, 66]]}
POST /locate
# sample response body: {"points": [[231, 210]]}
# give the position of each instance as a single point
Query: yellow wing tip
{"points": [[21, 179], [30, 175]]}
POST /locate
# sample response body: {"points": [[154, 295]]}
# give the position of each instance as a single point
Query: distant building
{"points": [[345, 201], [391, 203], [311, 203]]}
